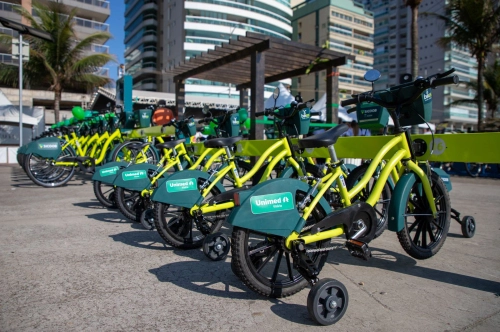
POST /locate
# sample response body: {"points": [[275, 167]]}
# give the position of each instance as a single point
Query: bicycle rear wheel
{"points": [[45, 173], [423, 235], [126, 152]]}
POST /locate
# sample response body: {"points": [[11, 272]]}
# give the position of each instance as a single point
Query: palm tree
{"points": [[491, 94], [475, 25], [413, 4], [61, 63]]}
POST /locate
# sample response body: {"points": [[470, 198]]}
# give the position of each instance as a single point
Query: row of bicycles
{"points": [[282, 209]]}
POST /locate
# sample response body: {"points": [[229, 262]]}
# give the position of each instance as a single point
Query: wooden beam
{"points": [[260, 47]]}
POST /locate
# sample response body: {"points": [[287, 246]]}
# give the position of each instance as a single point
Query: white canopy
{"points": [[283, 99], [10, 113], [320, 106]]}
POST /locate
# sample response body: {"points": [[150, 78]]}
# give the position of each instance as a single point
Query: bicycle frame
{"points": [[400, 142]]}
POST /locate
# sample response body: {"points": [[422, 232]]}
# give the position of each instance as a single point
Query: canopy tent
{"points": [[320, 107], [284, 98]]}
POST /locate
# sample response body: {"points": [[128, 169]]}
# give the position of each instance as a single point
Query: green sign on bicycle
{"points": [[134, 175], [271, 203], [48, 146], [175, 186], [109, 171]]}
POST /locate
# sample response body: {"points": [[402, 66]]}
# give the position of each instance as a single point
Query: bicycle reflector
{"points": [[236, 199]]}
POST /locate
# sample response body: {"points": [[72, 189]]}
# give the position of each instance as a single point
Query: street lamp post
{"points": [[23, 30]]}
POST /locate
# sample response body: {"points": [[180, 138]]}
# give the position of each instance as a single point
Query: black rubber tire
{"points": [[382, 206], [473, 169], [327, 301], [412, 239], [216, 246], [105, 194], [146, 218], [46, 175], [180, 230], [254, 268], [468, 226], [128, 202], [124, 149]]}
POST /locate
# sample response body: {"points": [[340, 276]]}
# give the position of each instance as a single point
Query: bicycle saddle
{"points": [[324, 139], [222, 141], [169, 144]]}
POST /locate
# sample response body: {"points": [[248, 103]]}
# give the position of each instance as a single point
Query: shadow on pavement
{"points": [[142, 239], [395, 262]]}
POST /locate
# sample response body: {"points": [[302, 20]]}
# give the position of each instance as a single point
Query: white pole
{"points": [[20, 89]]}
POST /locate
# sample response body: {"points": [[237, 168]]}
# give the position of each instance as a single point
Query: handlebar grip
{"points": [[347, 102], [260, 113], [454, 79]]}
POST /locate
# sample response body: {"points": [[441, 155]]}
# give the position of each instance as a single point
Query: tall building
{"points": [[160, 34], [348, 28], [393, 57], [90, 18]]}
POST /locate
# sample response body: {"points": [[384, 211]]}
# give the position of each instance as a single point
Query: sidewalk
{"points": [[67, 264]]}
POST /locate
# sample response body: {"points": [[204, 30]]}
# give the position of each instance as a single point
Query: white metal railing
{"points": [[98, 3]]}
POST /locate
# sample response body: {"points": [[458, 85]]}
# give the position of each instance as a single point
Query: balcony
{"points": [[146, 7], [7, 11], [96, 9]]}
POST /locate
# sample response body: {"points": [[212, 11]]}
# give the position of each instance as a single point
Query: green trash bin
{"points": [[143, 118]]}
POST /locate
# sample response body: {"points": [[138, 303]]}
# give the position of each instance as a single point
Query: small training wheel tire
{"points": [[327, 301], [216, 246], [147, 219], [468, 226]]}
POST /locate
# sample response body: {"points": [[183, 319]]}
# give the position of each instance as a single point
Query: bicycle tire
{"points": [[416, 245], [105, 194], [45, 174], [473, 169], [280, 280], [128, 202], [180, 230], [123, 152]]}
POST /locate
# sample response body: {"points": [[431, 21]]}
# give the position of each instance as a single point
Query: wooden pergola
{"points": [[253, 60]]}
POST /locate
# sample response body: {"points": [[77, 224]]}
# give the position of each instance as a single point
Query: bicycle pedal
{"points": [[358, 249]]}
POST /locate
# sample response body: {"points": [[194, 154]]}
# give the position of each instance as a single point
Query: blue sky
{"points": [[116, 45]]}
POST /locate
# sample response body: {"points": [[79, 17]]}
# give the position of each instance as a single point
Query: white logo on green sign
{"points": [[48, 146], [134, 175], [174, 186], [304, 115], [109, 171], [427, 95], [271, 203]]}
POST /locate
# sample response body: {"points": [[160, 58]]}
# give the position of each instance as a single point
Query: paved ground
{"points": [[66, 264]]}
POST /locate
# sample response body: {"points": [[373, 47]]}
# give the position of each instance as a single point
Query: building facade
{"points": [[392, 57], [343, 26], [90, 18], [160, 34]]}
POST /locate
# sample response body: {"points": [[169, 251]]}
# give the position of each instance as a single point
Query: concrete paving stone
{"points": [[67, 264]]}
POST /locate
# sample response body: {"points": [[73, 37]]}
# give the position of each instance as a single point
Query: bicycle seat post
{"points": [[333, 154]]}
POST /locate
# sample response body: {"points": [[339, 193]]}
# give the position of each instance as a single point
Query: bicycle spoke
{"points": [[417, 234], [289, 266], [431, 234], [267, 260], [277, 267]]}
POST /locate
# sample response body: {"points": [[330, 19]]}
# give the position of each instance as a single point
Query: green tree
{"points": [[491, 95], [475, 25], [64, 63], [413, 4]]}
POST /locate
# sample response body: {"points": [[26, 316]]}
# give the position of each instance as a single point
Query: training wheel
{"points": [[147, 219], [111, 198], [327, 301], [468, 226], [216, 246]]}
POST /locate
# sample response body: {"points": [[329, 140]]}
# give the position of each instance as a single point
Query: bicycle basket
{"points": [[371, 116], [231, 127], [297, 124], [420, 111], [143, 117]]}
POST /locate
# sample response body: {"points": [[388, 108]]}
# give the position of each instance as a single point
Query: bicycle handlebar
{"points": [[420, 83]]}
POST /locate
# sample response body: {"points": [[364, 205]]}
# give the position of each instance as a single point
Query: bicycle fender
{"points": [[47, 147], [135, 177], [287, 172], [397, 206], [181, 188], [270, 207], [107, 172]]}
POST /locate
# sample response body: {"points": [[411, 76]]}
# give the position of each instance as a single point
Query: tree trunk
{"points": [[480, 91], [57, 102]]}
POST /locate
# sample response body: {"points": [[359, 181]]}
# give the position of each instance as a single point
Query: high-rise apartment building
{"points": [[393, 58], [160, 34], [346, 27], [90, 19]]}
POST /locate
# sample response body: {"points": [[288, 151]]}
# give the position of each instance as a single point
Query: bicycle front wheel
{"points": [[423, 235], [265, 265]]}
